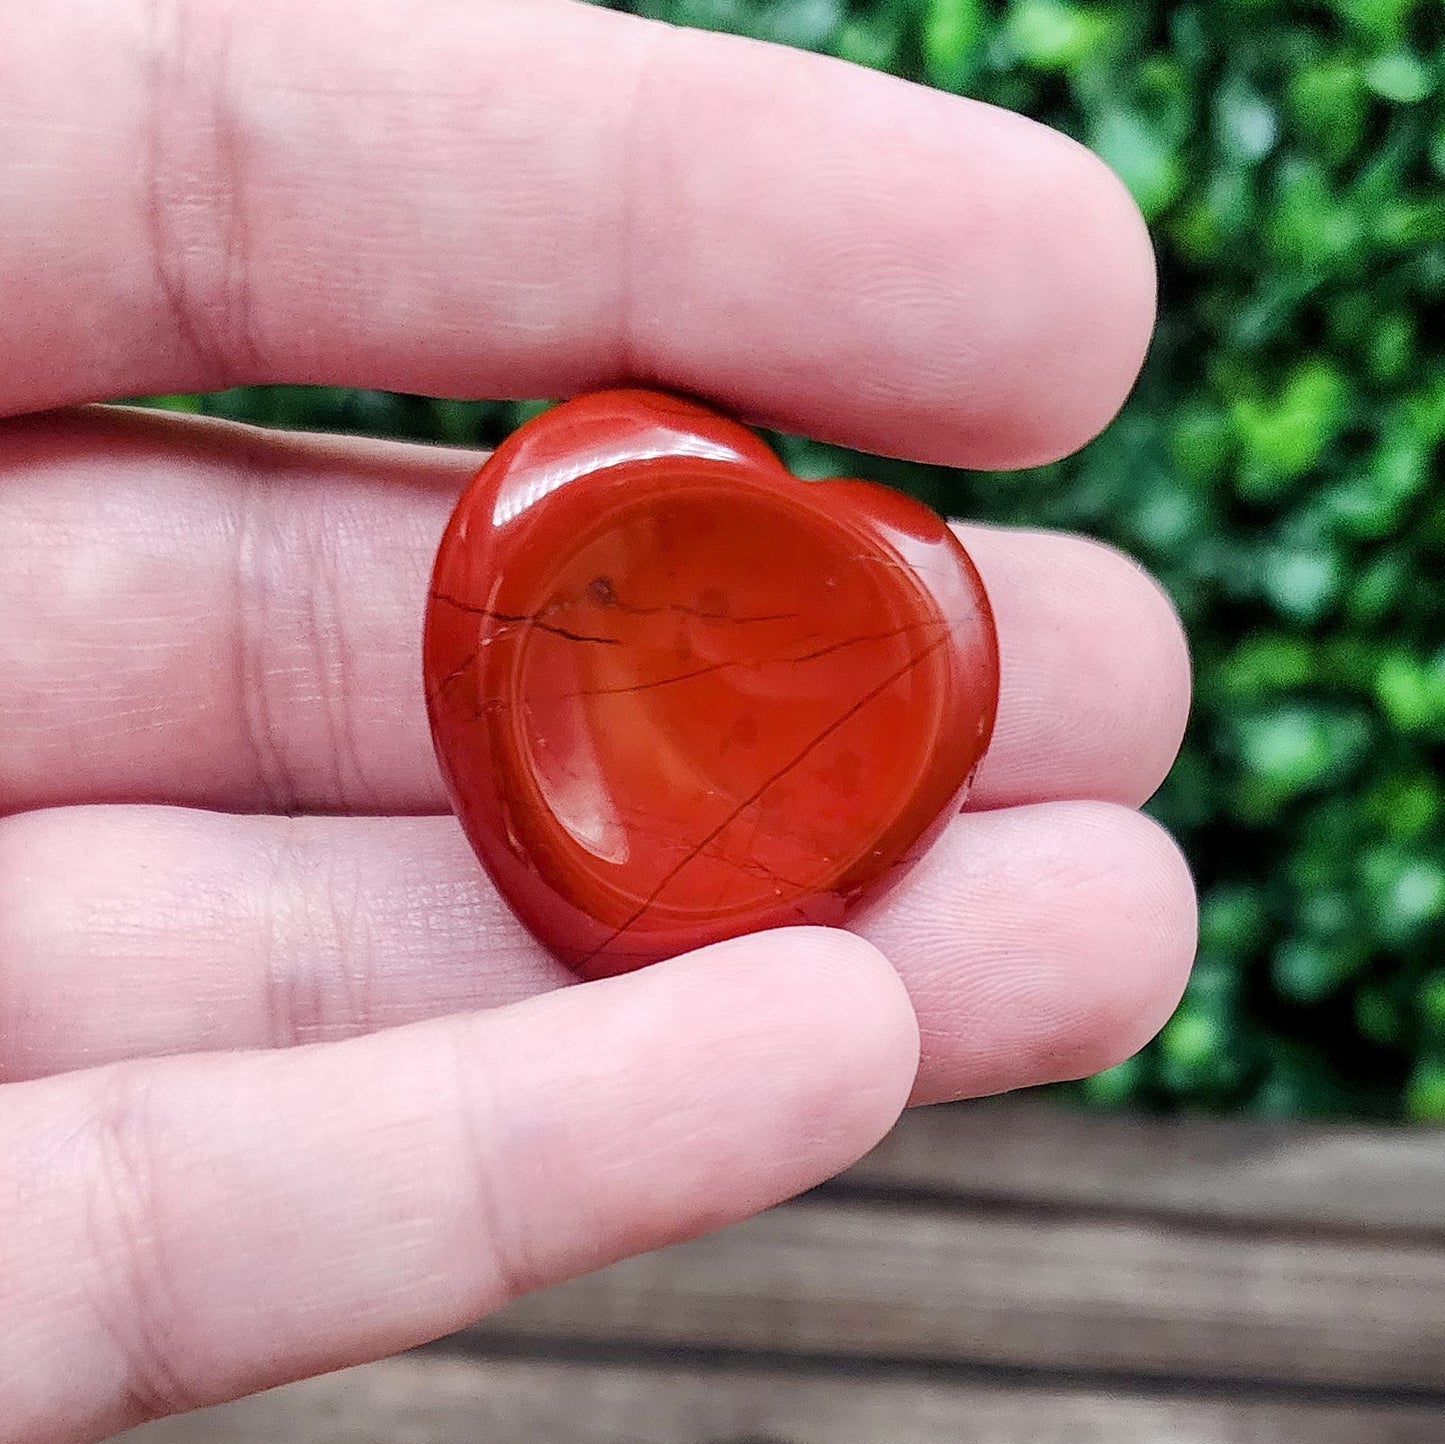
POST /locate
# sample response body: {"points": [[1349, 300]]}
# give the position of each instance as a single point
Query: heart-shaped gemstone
{"points": [[678, 694]]}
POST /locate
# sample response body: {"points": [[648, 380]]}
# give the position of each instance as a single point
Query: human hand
{"points": [[285, 1086]]}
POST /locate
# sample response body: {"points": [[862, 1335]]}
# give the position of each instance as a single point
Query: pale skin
{"points": [[283, 1087]]}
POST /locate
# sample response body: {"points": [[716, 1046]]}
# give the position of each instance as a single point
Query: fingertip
{"points": [[1168, 932], [1163, 673], [832, 999], [756, 1068], [1082, 333], [1096, 671], [1040, 943], [981, 286], [1127, 990]]}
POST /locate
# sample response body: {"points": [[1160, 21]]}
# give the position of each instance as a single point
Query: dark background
{"points": [[1279, 467]]}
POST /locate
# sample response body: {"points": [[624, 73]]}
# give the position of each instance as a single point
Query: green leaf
{"points": [[1425, 1092], [1231, 920], [1285, 436], [1260, 665], [1377, 1016], [190, 404], [1406, 890], [1384, 21], [1116, 1085], [1312, 227], [1406, 807], [1191, 1038], [1430, 1003], [1328, 106], [1211, 219], [955, 34], [1372, 501], [1202, 442], [1392, 346], [1053, 35], [1303, 580], [1142, 155], [1379, 588], [1400, 77], [871, 40], [1248, 125], [1296, 747], [1411, 690], [1306, 970]]}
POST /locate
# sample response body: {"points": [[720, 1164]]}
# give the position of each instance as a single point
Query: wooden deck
{"points": [[993, 1274]]}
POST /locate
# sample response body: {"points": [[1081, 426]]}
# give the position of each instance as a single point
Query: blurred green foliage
{"points": [[1279, 468]]}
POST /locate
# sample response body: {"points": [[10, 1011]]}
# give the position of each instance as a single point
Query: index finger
{"points": [[533, 197]]}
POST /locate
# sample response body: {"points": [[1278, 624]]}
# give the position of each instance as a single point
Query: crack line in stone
{"points": [[709, 670], [444, 682], [522, 619], [907, 568], [607, 599], [701, 846], [731, 858], [640, 821], [680, 609]]}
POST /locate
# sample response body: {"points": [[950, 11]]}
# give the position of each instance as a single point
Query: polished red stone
{"points": [[678, 694]]}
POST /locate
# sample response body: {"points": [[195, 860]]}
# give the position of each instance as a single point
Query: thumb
{"points": [[214, 1225]]}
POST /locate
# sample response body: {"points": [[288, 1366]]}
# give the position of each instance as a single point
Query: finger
{"points": [[1038, 943], [538, 198], [1095, 686], [201, 614], [214, 616], [188, 1231]]}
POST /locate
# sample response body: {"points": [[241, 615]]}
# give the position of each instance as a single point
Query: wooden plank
{"points": [[918, 1283], [1016, 1150], [429, 1400]]}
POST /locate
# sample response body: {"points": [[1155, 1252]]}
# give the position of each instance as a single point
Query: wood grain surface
{"points": [[903, 1282], [424, 1400], [1002, 1273], [1274, 1175]]}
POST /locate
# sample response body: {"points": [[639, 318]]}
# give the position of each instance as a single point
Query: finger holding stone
{"points": [[178, 1232], [212, 615], [1038, 943]]}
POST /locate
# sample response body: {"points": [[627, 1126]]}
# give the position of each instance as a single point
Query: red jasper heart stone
{"points": [[678, 694]]}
